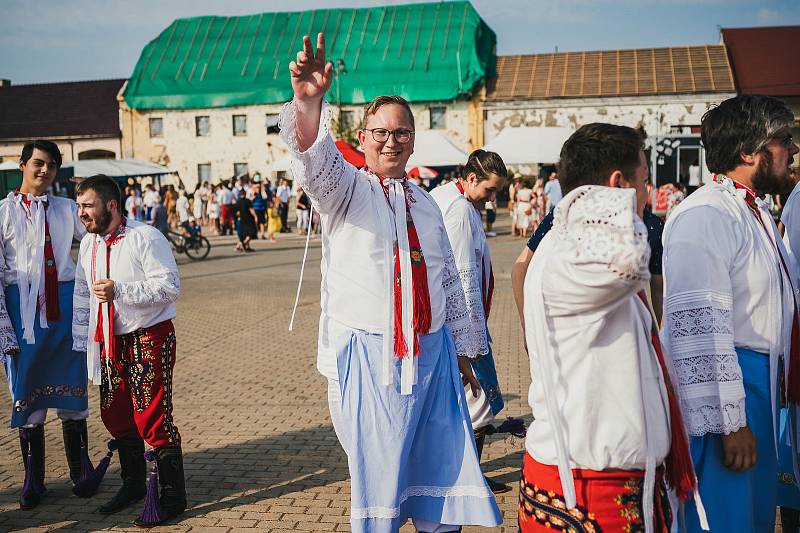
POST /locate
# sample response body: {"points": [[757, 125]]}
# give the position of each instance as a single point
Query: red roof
{"points": [[71, 109], [765, 60], [351, 155]]}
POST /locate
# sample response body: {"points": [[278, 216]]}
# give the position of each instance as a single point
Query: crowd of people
{"points": [[250, 208], [664, 358]]}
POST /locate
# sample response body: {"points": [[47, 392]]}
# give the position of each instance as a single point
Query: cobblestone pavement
{"points": [[260, 452]]}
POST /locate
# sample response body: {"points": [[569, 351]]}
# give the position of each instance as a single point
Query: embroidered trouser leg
{"points": [[136, 398]]}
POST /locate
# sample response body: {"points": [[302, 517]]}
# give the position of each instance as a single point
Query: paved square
{"points": [[260, 452]]}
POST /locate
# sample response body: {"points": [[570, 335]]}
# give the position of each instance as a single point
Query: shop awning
{"points": [[520, 146], [432, 148], [117, 168]]}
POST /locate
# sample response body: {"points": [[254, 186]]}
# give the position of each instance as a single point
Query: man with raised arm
{"points": [[394, 329]]}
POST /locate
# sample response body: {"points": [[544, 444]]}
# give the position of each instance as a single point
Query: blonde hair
{"points": [[386, 99]]}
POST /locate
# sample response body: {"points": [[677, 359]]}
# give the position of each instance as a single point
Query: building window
{"points": [[348, 119], [202, 126], [272, 124], [156, 127], [204, 172], [438, 118], [239, 169], [239, 125]]}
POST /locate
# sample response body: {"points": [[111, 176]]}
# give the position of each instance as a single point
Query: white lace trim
{"points": [[699, 326], [473, 491], [603, 230], [154, 291], [456, 311], [473, 293], [8, 337], [80, 311]]}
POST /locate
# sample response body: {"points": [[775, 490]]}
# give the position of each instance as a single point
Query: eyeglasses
{"points": [[381, 135]]}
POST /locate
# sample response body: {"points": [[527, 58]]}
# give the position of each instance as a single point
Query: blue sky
{"points": [[64, 40]]}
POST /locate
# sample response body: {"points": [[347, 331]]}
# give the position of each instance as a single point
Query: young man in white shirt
{"points": [[394, 329], [483, 175], [730, 314], [127, 284], [602, 442], [38, 276]]}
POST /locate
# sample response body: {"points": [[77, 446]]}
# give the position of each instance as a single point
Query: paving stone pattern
{"points": [[260, 452]]}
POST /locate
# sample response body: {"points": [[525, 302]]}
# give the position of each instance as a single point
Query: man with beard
{"points": [[730, 311], [127, 284], [38, 275]]}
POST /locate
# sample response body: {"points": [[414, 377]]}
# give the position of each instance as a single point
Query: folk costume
{"points": [[393, 320], [36, 330], [129, 345], [601, 445], [471, 251], [730, 315]]}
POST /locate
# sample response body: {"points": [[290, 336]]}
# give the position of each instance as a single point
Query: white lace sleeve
{"points": [[456, 312], [698, 326], [469, 263], [8, 338], [80, 308], [321, 170], [161, 285], [601, 253]]}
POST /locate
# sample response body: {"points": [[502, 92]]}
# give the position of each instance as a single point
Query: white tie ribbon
{"points": [[28, 226]]}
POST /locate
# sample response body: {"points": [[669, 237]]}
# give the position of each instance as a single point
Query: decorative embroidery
{"points": [[49, 390], [139, 369], [786, 478], [168, 359], [550, 510], [472, 491], [630, 502], [701, 321], [109, 384]]}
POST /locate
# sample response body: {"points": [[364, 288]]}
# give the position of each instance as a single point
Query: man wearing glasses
{"points": [[730, 315], [394, 329]]}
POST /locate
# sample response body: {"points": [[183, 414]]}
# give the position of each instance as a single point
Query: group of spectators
{"points": [[250, 208], [529, 206]]}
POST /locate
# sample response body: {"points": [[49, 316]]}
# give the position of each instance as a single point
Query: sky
{"points": [[70, 40]]}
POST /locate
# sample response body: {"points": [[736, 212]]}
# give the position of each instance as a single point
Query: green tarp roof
{"points": [[424, 52]]}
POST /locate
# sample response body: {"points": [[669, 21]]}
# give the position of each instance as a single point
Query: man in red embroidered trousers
{"points": [[127, 281]]}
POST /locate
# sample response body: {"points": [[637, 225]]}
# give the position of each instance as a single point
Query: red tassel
{"points": [[400, 346], [793, 389], [680, 469], [52, 306], [98, 331]]}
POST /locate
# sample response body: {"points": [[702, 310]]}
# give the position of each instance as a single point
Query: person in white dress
{"points": [[394, 330]]}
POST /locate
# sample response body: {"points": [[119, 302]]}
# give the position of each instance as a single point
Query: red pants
{"points": [[226, 215], [137, 399], [606, 501]]}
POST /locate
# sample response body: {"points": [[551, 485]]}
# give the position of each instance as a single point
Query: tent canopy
{"points": [[434, 51], [520, 146], [433, 148], [117, 168]]}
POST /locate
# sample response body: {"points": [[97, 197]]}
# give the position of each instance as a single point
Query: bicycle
{"points": [[196, 247]]}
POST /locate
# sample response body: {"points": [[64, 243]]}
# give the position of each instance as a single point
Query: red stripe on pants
{"points": [[136, 399]]}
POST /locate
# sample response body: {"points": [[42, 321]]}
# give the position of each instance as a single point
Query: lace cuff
{"points": [[154, 291], [699, 330], [80, 314], [456, 312], [321, 170], [8, 338]]}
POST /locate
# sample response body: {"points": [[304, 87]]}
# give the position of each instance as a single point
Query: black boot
{"points": [[31, 442], [133, 471], [172, 502], [496, 488], [76, 437]]}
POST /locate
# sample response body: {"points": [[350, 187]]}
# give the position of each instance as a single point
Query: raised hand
{"points": [[311, 76]]}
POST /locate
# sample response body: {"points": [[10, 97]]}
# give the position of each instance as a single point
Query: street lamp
{"points": [[339, 68]]}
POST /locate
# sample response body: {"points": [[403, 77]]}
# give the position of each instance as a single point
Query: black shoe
{"points": [[31, 442], [133, 470], [496, 487], [75, 437], [172, 502]]}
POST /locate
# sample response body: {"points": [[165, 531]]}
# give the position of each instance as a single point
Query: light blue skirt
{"points": [[740, 501], [410, 456]]}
